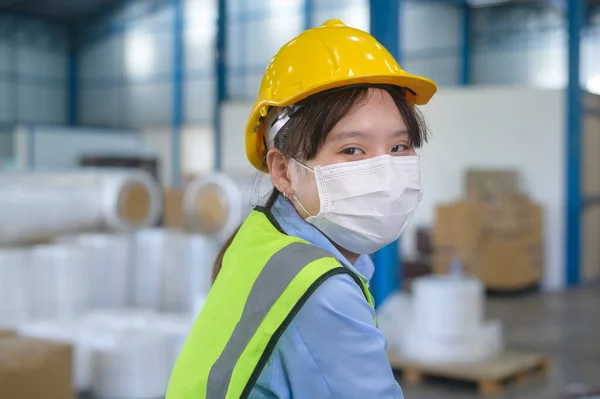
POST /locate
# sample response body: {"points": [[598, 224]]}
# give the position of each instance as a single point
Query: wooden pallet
{"points": [[491, 375]]}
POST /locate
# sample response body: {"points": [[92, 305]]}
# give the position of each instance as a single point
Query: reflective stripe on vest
{"points": [[249, 307], [274, 278]]}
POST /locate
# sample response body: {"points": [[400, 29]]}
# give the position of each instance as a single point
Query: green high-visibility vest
{"points": [[266, 278]]}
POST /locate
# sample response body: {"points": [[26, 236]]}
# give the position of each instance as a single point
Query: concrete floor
{"points": [[565, 326]]}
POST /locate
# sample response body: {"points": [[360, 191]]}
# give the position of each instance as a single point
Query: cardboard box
{"points": [[491, 185], [34, 369], [506, 217], [511, 263], [505, 254], [6, 333], [463, 224], [458, 225]]}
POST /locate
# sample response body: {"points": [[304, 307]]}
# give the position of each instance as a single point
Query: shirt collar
{"points": [[293, 224]]}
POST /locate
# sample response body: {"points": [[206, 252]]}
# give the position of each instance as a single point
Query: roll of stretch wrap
{"points": [[213, 205], [109, 263], [162, 274], [119, 353], [135, 366], [480, 344], [216, 204], [447, 323], [447, 306], [58, 282], [42, 205], [13, 274]]}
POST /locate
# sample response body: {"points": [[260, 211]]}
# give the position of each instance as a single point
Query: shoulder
{"points": [[339, 299]]}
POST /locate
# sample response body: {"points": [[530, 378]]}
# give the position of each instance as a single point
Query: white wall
{"points": [[498, 127], [234, 116], [54, 147], [495, 127], [197, 150]]}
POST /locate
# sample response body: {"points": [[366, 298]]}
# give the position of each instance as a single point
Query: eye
{"points": [[353, 151], [399, 148]]}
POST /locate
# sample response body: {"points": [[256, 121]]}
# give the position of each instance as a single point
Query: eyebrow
{"points": [[351, 134]]}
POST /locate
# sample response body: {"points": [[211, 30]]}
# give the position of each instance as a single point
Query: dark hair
{"points": [[306, 131]]}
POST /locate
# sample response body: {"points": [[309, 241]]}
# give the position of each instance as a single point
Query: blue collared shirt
{"points": [[332, 348]]}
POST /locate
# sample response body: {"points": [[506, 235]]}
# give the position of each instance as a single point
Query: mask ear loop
{"points": [[304, 166], [294, 196]]}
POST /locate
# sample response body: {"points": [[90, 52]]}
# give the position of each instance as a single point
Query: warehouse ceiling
{"points": [[58, 10], [83, 10]]}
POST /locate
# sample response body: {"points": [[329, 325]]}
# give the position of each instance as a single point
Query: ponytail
{"points": [[219, 261]]}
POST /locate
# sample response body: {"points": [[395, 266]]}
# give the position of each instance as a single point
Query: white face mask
{"points": [[366, 205]]}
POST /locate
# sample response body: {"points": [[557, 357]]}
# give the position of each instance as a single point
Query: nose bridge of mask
{"points": [[356, 178], [374, 174], [367, 166], [394, 178]]}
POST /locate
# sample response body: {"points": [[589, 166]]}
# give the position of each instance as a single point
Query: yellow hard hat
{"points": [[329, 56]]}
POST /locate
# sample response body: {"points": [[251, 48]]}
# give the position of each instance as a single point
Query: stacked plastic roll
{"points": [[202, 252], [393, 317], [216, 204], [135, 366], [43, 205], [13, 272], [119, 353], [448, 323], [213, 205], [162, 275], [58, 282]]}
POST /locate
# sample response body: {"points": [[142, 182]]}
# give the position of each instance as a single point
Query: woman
{"points": [[290, 314]]}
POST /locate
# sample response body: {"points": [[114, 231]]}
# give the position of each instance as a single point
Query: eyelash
{"points": [[347, 151]]}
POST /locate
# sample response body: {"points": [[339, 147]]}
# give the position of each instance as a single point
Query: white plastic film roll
{"points": [[162, 275], [131, 200], [202, 252], [394, 315], [99, 330], [42, 205], [109, 258], [34, 209], [483, 343], [177, 328], [58, 282], [136, 366], [13, 271], [445, 306], [213, 205]]}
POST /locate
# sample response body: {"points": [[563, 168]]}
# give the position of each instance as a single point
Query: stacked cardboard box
{"points": [[496, 233], [34, 369]]}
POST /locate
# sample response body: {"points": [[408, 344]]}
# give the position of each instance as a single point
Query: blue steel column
{"points": [[73, 80], [385, 27], [575, 12], [177, 99], [221, 70], [308, 11], [465, 70]]}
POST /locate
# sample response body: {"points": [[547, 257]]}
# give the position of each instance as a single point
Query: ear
{"points": [[278, 169]]}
